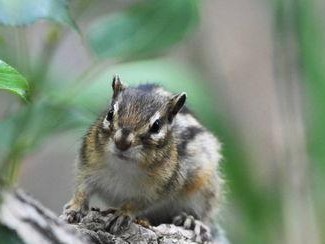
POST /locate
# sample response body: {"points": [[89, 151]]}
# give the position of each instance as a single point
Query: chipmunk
{"points": [[149, 157]]}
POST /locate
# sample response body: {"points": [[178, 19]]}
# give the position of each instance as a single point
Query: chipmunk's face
{"points": [[139, 120]]}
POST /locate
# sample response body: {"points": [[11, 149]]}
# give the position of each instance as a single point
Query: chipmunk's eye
{"points": [[156, 126], [110, 114]]}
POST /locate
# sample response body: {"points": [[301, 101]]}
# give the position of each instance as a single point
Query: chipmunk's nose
{"points": [[123, 139]]}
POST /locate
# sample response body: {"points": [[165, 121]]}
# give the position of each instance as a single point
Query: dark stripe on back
{"points": [[186, 136]]}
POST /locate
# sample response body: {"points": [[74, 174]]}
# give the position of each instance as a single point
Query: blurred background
{"points": [[254, 72]]}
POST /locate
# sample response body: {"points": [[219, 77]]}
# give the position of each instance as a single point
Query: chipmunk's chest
{"points": [[120, 180]]}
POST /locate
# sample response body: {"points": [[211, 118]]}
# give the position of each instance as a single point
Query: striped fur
{"points": [[162, 173]]}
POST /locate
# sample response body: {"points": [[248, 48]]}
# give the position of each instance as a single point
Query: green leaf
{"points": [[144, 29], [29, 127], [24, 12], [12, 81]]}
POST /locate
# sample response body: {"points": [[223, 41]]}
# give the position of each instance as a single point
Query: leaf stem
{"points": [[51, 44], [11, 162]]}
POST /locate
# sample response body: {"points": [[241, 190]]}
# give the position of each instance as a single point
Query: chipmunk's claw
{"points": [[202, 232], [118, 222], [72, 214], [184, 220]]}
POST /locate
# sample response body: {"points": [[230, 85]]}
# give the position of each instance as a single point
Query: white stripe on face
{"points": [[115, 106], [154, 118], [106, 123]]}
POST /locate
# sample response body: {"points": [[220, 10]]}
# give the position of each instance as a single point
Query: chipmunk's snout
{"points": [[123, 139]]}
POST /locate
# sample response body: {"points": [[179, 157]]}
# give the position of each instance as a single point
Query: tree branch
{"points": [[33, 223]]}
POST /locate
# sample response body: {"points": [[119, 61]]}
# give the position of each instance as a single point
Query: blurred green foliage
{"points": [[24, 12], [144, 29], [304, 22], [312, 46]]}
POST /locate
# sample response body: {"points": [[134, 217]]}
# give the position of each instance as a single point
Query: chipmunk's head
{"points": [[139, 119]]}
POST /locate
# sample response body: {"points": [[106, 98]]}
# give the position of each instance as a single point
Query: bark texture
{"points": [[33, 223]]}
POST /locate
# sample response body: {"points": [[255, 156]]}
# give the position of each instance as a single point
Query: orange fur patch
{"points": [[197, 182]]}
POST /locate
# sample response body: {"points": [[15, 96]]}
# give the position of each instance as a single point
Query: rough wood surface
{"points": [[33, 223]]}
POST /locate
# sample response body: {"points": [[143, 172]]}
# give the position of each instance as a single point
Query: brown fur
{"points": [[168, 163], [197, 182]]}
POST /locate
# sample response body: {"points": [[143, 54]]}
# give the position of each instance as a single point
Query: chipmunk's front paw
{"points": [[202, 232], [118, 221], [73, 213]]}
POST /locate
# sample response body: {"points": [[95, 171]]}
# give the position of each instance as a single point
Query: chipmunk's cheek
{"points": [[106, 124], [110, 147], [137, 153]]}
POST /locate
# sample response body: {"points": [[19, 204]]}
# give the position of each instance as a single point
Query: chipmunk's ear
{"points": [[117, 86], [175, 105]]}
